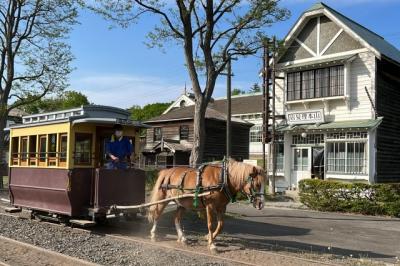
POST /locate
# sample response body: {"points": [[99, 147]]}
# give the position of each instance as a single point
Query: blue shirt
{"points": [[120, 148]]}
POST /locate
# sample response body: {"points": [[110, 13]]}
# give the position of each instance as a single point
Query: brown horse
{"points": [[171, 182]]}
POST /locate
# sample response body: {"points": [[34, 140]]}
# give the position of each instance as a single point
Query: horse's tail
{"points": [[157, 194]]}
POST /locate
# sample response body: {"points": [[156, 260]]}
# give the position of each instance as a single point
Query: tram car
{"points": [[58, 164]]}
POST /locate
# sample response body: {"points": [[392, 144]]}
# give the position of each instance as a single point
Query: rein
{"points": [[253, 194], [222, 185]]}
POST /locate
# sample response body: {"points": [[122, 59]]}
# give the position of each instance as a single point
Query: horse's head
{"points": [[254, 187], [249, 180]]}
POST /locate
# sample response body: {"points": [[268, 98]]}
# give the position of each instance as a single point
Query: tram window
{"points": [[24, 149], [14, 150], [52, 149], [32, 150], [42, 148], [63, 148], [52, 145], [83, 148]]}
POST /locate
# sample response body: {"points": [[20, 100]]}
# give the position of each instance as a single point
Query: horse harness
{"points": [[222, 184]]}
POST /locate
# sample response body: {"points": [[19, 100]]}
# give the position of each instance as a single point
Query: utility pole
{"points": [[269, 134], [228, 107], [266, 99], [273, 135]]}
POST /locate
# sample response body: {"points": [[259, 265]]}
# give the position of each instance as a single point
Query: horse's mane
{"points": [[238, 171]]}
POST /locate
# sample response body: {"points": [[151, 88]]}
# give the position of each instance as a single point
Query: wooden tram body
{"points": [[57, 163]]}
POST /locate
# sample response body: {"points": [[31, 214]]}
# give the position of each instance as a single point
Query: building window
{"points": [[347, 158], [300, 160], [309, 139], [184, 132], [256, 133], [317, 83], [279, 151], [83, 148], [157, 134]]}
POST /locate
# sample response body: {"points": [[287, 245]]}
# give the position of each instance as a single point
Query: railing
{"points": [[55, 159]]}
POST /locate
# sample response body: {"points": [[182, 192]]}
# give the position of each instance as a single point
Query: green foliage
{"points": [[237, 92], [148, 111], [65, 100], [255, 88], [376, 199], [151, 178]]}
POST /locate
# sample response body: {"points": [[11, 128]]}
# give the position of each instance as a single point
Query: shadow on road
{"points": [[242, 233]]}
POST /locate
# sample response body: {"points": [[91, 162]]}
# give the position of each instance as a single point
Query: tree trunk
{"points": [[3, 148], [196, 156]]}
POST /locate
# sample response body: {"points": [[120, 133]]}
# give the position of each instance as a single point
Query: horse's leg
{"points": [[178, 217], [211, 245], [157, 213], [220, 219]]}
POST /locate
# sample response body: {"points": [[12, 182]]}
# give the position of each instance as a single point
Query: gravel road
{"points": [[94, 248]]}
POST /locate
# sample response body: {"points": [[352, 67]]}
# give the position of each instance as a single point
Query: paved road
{"points": [[376, 238]]}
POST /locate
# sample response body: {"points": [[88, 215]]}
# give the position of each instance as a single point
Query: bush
{"points": [[151, 178], [376, 199]]}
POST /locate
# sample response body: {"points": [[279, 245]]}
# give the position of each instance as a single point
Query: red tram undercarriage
{"points": [[81, 193]]}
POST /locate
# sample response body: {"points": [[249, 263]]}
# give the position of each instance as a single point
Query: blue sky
{"points": [[114, 66]]}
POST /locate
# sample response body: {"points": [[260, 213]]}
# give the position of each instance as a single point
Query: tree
{"points": [[34, 58], [148, 111], [210, 32], [255, 88], [65, 100], [237, 92]]}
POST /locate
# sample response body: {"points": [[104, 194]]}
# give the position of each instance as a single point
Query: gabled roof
{"points": [[187, 113], [375, 42], [241, 104]]}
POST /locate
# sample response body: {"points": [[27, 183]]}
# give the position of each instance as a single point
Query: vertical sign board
{"points": [[305, 117]]}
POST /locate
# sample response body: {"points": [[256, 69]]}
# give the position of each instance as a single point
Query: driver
{"points": [[118, 149]]}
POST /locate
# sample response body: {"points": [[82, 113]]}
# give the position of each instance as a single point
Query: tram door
{"points": [[301, 164]]}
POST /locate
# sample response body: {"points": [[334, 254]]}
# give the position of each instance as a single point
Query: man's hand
{"points": [[114, 158]]}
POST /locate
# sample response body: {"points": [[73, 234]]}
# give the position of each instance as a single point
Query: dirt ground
{"points": [[17, 253]]}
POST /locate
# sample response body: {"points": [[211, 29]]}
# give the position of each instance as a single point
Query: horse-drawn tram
{"points": [[58, 164]]}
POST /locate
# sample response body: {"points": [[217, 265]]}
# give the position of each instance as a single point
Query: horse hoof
{"points": [[182, 240], [207, 236], [213, 249], [153, 239]]}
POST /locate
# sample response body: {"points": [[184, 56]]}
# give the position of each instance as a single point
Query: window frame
{"points": [[331, 162], [256, 134], [90, 159], [187, 132], [322, 84], [157, 137]]}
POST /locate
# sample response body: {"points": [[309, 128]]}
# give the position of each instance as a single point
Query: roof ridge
{"points": [[323, 5]]}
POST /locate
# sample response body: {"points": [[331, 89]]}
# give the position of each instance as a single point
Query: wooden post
{"points": [[228, 108]]}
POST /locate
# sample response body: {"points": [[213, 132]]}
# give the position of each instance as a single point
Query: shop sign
{"points": [[305, 117]]}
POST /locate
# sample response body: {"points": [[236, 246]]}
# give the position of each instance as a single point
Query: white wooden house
{"points": [[340, 96]]}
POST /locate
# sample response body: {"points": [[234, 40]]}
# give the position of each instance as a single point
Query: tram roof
{"points": [[100, 114]]}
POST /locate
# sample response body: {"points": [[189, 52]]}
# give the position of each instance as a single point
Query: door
{"points": [[317, 167], [301, 164]]}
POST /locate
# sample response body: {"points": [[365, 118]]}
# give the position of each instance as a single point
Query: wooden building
{"points": [[339, 96], [247, 107], [170, 139]]}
